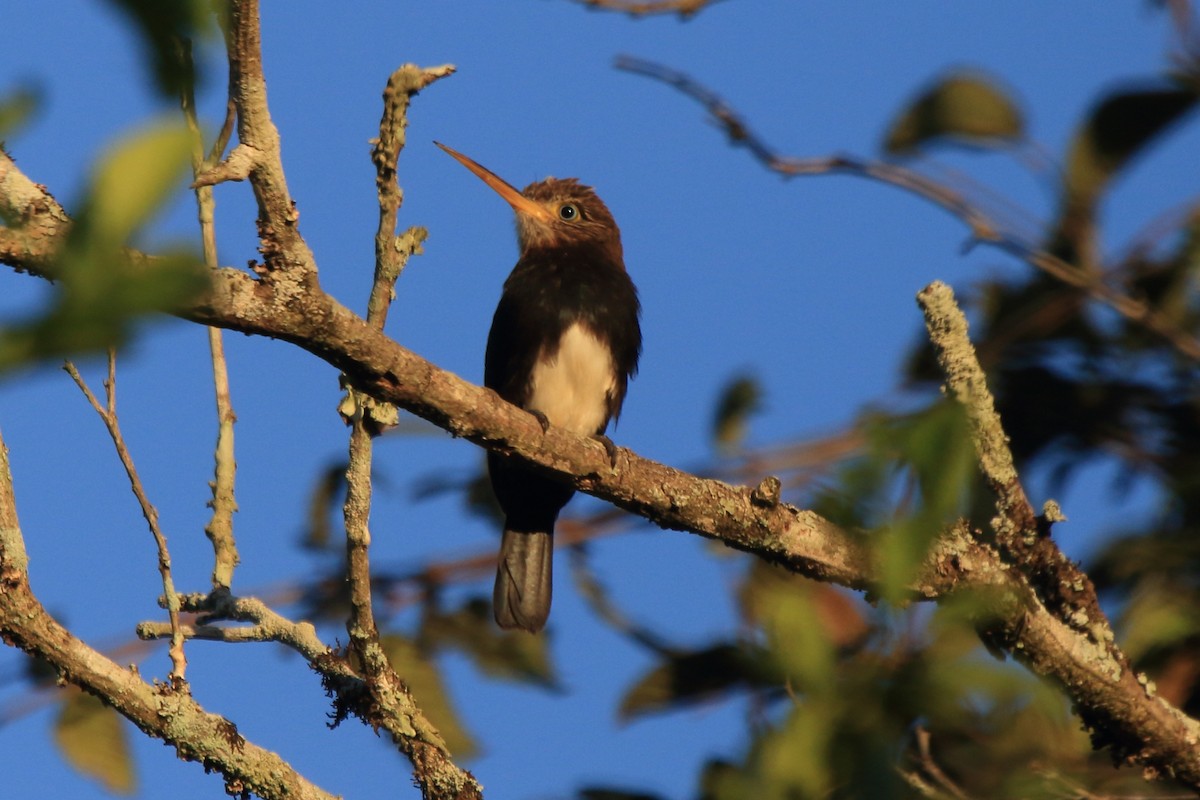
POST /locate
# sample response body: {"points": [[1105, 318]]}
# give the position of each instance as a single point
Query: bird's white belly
{"points": [[573, 387]]}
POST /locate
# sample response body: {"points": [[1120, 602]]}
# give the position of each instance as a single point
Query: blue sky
{"points": [[807, 284]]}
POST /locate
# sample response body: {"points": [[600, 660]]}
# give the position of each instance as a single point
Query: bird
{"points": [[564, 343]]}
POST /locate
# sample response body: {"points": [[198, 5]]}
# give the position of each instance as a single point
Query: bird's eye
{"points": [[569, 212]]}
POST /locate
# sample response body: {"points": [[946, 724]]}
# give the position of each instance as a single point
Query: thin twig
{"points": [[267, 625], [163, 712], [367, 418], [984, 227], [598, 598], [932, 769], [224, 503], [108, 414]]}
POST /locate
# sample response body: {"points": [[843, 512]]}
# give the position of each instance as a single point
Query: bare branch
{"points": [[417, 738], [220, 526], [267, 625], [280, 242], [164, 712], [108, 414], [983, 226]]}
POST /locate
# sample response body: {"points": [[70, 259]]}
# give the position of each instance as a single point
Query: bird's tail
{"points": [[523, 585]]}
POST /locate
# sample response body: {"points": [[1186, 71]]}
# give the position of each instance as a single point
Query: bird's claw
{"points": [[542, 419], [609, 448]]}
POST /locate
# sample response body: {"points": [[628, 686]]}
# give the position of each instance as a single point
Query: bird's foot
{"points": [[542, 419], [609, 448]]}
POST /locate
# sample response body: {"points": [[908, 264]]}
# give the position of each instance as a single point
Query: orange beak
{"points": [[520, 203]]}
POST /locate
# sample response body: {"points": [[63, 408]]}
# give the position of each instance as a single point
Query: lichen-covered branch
{"points": [[1061, 630], [434, 771], [1148, 729], [161, 711]]}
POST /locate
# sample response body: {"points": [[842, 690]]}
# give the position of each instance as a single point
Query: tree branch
{"points": [[224, 502], [108, 415], [435, 773], [162, 711], [1106, 694], [983, 226]]}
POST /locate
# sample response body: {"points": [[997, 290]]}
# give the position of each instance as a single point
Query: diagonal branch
{"points": [[983, 226], [108, 415], [162, 711], [1149, 730]]}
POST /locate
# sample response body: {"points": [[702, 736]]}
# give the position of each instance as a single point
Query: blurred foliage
{"points": [[94, 740], [1119, 128], [508, 655], [424, 680], [16, 109], [166, 32], [100, 287], [739, 401], [914, 476], [963, 108]]}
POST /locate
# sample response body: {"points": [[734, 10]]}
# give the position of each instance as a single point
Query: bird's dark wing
{"points": [[517, 336], [613, 312]]}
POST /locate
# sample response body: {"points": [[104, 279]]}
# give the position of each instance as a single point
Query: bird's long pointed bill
{"points": [[520, 203]]}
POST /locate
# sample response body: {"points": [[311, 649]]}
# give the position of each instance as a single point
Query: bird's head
{"points": [[556, 213]]}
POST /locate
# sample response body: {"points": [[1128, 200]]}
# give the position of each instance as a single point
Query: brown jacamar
{"points": [[564, 343]]}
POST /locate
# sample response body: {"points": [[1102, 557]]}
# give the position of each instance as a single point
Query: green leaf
{"points": [[1158, 615], [1115, 131], [1118, 129], [914, 478], [805, 623], [685, 679], [132, 182], [936, 448], [501, 654], [92, 738], [965, 107], [167, 30], [740, 399], [100, 286], [16, 109], [95, 304], [424, 680], [789, 761]]}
